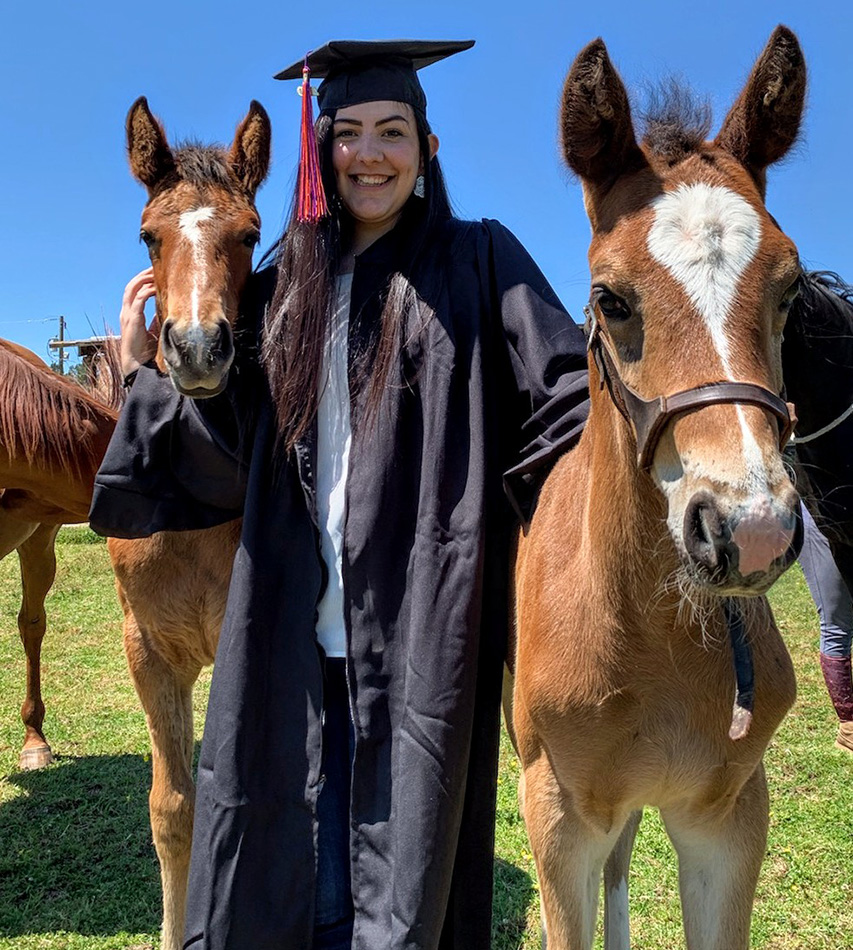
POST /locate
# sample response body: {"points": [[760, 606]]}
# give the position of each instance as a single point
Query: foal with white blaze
{"points": [[623, 696], [200, 224]]}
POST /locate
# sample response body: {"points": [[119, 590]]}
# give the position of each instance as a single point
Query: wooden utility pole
{"points": [[61, 341]]}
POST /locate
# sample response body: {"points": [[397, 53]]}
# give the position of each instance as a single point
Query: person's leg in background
{"points": [[835, 610]]}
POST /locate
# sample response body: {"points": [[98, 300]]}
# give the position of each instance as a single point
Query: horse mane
{"points": [[105, 380], [825, 299], [829, 280], [675, 121], [45, 418]]}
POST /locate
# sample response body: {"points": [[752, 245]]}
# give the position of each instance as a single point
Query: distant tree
{"points": [[75, 371]]}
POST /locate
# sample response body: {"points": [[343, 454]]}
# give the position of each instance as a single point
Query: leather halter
{"points": [[648, 417]]}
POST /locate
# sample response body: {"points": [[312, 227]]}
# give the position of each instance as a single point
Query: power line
{"points": [[8, 323]]}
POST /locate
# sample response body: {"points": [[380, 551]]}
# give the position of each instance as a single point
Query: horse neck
{"points": [[625, 528], [50, 427]]}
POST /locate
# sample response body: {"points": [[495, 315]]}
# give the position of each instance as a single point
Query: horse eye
{"points": [[147, 238], [613, 307], [252, 238], [790, 296]]}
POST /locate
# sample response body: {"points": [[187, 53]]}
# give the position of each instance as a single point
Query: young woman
{"points": [[411, 361]]}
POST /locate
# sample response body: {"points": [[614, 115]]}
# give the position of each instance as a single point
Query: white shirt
{"points": [[333, 446]]}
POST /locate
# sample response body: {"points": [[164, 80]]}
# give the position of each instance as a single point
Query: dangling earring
{"points": [[419, 186]]}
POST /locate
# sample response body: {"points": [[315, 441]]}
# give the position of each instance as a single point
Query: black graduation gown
{"points": [[496, 379]]}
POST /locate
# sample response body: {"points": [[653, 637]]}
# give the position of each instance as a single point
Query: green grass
{"points": [[77, 867], [78, 871]]}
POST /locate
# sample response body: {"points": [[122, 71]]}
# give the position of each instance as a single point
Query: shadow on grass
{"points": [[513, 896], [76, 855], [76, 851]]}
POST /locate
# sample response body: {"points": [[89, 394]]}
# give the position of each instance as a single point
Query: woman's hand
{"points": [[138, 342]]}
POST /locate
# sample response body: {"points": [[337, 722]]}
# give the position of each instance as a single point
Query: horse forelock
{"points": [[201, 166], [675, 121], [45, 419]]}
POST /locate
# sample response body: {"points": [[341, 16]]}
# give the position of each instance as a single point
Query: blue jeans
{"points": [[828, 590], [333, 916]]}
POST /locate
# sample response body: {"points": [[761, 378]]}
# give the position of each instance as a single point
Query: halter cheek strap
{"points": [[649, 417]]}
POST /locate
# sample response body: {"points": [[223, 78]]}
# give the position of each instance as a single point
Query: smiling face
{"points": [[377, 158]]}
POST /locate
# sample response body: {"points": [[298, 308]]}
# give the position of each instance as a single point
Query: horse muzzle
{"points": [[198, 357], [743, 551]]}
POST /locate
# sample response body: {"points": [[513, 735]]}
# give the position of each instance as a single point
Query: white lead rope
{"points": [[800, 439]]}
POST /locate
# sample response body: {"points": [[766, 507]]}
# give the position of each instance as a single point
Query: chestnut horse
{"points": [[673, 511], [200, 225], [52, 438]]}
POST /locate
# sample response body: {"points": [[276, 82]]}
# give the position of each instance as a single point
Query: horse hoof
{"points": [[35, 757]]}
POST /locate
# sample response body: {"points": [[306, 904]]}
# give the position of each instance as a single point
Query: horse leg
{"points": [[570, 855], [38, 570], [616, 928], [166, 696], [13, 533], [719, 859]]}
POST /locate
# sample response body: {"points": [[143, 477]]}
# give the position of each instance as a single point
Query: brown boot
{"points": [[839, 685], [844, 739]]}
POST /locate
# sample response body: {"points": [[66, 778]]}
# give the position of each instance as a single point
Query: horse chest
{"points": [[651, 728], [630, 754]]}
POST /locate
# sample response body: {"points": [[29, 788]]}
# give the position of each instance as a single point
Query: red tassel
{"points": [[311, 206]]}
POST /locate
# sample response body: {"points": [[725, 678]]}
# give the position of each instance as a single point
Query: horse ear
{"points": [[764, 121], [598, 137], [151, 159], [250, 153]]}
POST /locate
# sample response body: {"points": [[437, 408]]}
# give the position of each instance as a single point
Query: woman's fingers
{"points": [[143, 277], [139, 289], [138, 342]]}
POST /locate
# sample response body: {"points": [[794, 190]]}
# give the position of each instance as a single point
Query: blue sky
{"points": [[69, 72]]}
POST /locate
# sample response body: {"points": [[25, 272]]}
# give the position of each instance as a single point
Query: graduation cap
{"points": [[355, 71]]}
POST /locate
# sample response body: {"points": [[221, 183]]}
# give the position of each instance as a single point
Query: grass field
{"points": [[78, 871]]}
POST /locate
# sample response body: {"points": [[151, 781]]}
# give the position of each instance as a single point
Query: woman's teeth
{"points": [[371, 179]]}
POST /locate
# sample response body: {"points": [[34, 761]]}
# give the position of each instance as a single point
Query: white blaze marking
{"points": [[706, 236], [190, 224]]}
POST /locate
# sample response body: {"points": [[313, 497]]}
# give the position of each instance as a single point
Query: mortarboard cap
{"points": [[355, 71]]}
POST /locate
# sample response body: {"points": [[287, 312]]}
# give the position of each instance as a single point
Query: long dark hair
{"points": [[308, 257]]}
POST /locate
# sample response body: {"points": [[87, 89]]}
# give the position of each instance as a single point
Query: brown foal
{"points": [[624, 674], [200, 225]]}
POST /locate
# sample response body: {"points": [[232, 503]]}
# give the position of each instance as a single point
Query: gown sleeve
{"points": [[173, 463], [176, 463], [547, 353]]}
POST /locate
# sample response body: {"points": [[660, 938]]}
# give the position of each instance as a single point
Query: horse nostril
{"points": [[166, 334], [705, 533], [225, 343]]}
